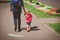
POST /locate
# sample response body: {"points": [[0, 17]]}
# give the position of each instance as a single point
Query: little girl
{"points": [[28, 18]]}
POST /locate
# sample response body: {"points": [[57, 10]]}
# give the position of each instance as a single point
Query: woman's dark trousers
{"points": [[17, 20]]}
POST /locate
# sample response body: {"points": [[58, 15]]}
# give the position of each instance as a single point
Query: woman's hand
{"points": [[10, 8]]}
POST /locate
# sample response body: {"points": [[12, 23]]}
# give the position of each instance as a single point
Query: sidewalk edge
{"points": [[52, 30]]}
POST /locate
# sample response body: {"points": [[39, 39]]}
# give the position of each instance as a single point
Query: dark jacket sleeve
{"points": [[22, 3], [10, 2]]}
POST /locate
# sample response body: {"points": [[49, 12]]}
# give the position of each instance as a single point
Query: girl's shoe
{"points": [[27, 29]]}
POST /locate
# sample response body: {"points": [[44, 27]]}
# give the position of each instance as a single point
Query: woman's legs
{"points": [[19, 20], [15, 19]]}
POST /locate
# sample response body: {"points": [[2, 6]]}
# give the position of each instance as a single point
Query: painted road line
{"points": [[14, 35]]}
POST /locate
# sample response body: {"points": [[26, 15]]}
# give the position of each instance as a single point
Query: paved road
{"points": [[40, 32], [53, 3]]}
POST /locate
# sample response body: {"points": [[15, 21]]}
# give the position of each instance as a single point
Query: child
{"points": [[28, 18]]}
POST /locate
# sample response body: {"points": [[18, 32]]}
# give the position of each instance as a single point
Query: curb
{"points": [[52, 30]]}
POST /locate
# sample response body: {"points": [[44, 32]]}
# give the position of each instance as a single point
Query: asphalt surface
{"points": [[53, 3], [39, 32]]}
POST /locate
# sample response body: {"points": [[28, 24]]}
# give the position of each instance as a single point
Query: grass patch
{"points": [[55, 26], [38, 13]]}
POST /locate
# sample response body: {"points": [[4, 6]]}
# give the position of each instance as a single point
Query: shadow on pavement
{"points": [[34, 28]]}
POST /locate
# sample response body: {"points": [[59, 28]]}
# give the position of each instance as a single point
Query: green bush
{"points": [[58, 10], [42, 5], [48, 7], [30, 0], [37, 3], [34, 0], [26, 0]]}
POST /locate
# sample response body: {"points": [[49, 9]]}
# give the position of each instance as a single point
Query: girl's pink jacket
{"points": [[28, 17]]}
